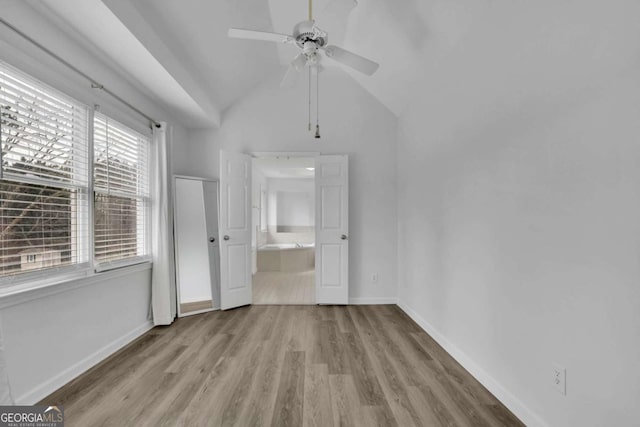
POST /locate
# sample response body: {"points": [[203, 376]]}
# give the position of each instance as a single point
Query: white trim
{"points": [[191, 313], [121, 263], [525, 415], [275, 154], [194, 178], [42, 277], [49, 386], [13, 296], [372, 300]]}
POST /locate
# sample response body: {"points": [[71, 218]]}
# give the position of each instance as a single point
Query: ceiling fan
{"points": [[311, 40]]}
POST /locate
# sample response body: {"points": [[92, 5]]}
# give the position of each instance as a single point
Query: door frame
{"points": [[308, 154], [175, 251]]}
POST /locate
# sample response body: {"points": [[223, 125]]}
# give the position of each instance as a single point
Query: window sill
{"points": [[129, 262], [27, 291]]}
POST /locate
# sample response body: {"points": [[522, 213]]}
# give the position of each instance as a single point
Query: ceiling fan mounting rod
{"points": [[310, 10]]}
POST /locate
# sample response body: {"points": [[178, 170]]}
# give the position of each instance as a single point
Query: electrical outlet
{"points": [[560, 379], [374, 278]]}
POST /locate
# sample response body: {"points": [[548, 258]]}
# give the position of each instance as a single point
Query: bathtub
{"points": [[286, 257]]}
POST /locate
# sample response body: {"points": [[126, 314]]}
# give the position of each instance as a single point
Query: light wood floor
{"points": [[275, 287], [282, 366]]}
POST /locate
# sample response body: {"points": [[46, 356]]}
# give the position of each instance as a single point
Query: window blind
{"points": [[44, 185], [121, 192]]}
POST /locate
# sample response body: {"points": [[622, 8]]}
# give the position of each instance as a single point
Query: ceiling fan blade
{"points": [[352, 60], [290, 77], [240, 33]]}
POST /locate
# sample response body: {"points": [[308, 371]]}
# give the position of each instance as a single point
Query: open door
{"points": [[235, 230], [332, 229], [210, 190]]}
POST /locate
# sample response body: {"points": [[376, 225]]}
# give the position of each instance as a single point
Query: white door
{"points": [[235, 230], [210, 189], [332, 229]]}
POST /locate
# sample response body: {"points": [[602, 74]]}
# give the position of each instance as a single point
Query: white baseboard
{"points": [[49, 386], [525, 415], [372, 301]]}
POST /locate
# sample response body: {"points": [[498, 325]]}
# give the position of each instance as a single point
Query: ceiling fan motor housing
{"points": [[306, 31]]}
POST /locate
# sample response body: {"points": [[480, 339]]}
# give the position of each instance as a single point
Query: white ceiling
{"points": [[178, 51], [468, 56], [93, 24]]}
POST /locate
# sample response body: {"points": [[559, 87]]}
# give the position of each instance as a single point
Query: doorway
{"points": [[236, 227], [283, 230]]}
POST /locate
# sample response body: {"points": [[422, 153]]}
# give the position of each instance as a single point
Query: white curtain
{"points": [[163, 303], [5, 388]]}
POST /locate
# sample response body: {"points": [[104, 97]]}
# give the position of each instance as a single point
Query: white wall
{"points": [[259, 183], [197, 155], [518, 224], [50, 338], [352, 122]]}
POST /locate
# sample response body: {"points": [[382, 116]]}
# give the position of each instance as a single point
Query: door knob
{"points": [[343, 237], [212, 239], [226, 237]]}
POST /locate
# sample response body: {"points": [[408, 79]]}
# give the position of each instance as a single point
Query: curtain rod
{"points": [[94, 83]]}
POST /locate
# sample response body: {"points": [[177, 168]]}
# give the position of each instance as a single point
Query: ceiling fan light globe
{"points": [[309, 48], [299, 62]]}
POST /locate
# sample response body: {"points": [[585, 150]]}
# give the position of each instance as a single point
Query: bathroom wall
{"points": [[260, 183], [302, 234], [258, 237]]}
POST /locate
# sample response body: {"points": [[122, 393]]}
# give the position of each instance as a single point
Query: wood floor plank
{"points": [[365, 380], [345, 403], [317, 410], [288, 409], [258, 409], [288, 365]]}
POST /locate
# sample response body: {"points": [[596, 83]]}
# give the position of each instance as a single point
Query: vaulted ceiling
{"points": [[448, 54], [179, 52]]}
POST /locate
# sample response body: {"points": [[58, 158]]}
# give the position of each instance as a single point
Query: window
{"points": [[121, 191], [44, 185], [46, 194]]}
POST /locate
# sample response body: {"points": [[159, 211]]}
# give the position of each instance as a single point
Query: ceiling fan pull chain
{"points": [[317, 103], [309, 128]]}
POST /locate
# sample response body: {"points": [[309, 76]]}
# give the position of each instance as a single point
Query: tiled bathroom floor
{"points": [[275, 287]]}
